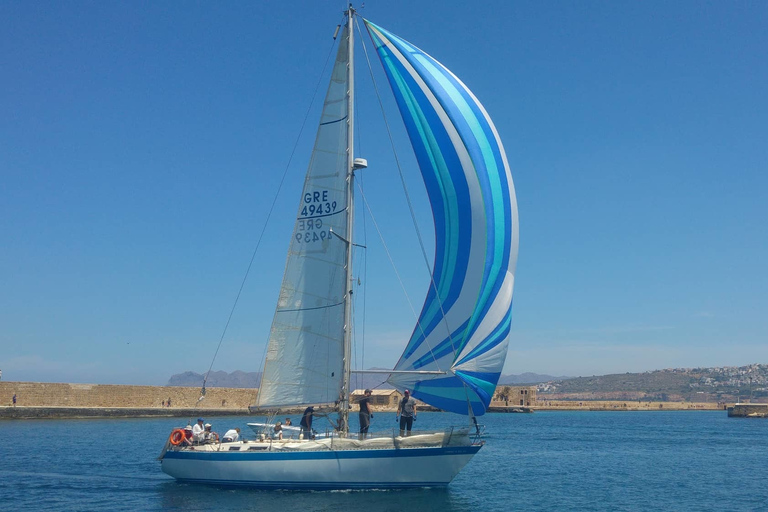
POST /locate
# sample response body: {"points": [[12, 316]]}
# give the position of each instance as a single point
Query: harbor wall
{"points": [[621, 405], [44, 394], [59, 400], [39, 413]]}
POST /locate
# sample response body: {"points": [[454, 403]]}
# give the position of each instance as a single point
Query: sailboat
{"points": [[456, 352]]}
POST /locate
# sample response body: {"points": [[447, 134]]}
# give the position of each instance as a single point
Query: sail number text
{"points": [[309, 229], [317, 203]]}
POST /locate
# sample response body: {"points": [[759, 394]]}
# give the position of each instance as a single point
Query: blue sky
{"points": [[142, 144]]}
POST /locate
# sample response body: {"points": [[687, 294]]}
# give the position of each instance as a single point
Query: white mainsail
{"points": [[304, 362]]}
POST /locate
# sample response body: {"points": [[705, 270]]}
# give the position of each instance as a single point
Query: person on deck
{"points": [[406, 411], [210, 436], [277, 431], [365, 414], [198, 430], [189, 438], [231, 435], [306, 422]]}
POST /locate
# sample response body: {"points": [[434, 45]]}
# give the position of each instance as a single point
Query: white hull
{"points": [[288, 466]]}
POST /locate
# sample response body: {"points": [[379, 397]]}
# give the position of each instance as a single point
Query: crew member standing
{"points": [[365, 414], [407, 413], [306, 422]]}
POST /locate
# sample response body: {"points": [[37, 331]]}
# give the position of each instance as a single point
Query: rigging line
{"points": [[355, 303], [394, 267], [354, 331], [359, 141], [470, 412], [365, 288], [410, 207], [269, 215]]}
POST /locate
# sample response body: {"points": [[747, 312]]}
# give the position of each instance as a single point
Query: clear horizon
{"points": [[141, 147]]}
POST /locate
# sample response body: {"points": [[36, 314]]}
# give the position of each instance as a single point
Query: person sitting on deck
{"points": [[209, 436], [232, 435], [277, 431], [189, 437]]}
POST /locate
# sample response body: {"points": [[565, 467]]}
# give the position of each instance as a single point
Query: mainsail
{"points": [[463, 328], [305, 351]]}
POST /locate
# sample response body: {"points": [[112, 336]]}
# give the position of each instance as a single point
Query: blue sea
{"points": [[575, 461]]}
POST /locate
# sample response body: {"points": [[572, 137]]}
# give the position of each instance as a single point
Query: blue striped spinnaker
{"points": [[463, 328]]}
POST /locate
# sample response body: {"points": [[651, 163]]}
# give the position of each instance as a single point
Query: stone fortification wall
{"points": [[616, 405], [43, 394], [747, 410]]}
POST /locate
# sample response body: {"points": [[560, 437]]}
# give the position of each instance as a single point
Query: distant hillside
{"points": [[371, 380], [236, 379], [694, 384], [239, 379], [526, 378]]}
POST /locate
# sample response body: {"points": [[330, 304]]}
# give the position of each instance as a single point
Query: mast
{"points": [[344, 405]]}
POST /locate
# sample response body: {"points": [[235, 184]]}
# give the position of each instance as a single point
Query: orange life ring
{"points": [[177, 436]]}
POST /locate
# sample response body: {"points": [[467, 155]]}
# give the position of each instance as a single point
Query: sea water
{"points": [[549, 461]]}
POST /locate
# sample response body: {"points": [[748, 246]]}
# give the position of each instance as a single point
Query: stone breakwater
{"points": [[57, 400], [32, 413], [748, 411], [623, 405]]}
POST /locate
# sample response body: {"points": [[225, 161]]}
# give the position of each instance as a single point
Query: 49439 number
{"points": [[317, 203]]}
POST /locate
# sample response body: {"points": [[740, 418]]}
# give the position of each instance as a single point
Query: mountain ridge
{"points": [[241, 379]]}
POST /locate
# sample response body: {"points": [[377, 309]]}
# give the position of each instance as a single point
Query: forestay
{"points": [[464, 325]]}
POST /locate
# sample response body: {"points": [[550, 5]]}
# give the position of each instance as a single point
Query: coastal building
{"points": [[514, 396], [380, 398]]}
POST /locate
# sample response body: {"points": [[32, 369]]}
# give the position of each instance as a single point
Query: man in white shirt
{"points": [[231, 435], [198, 431]]}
